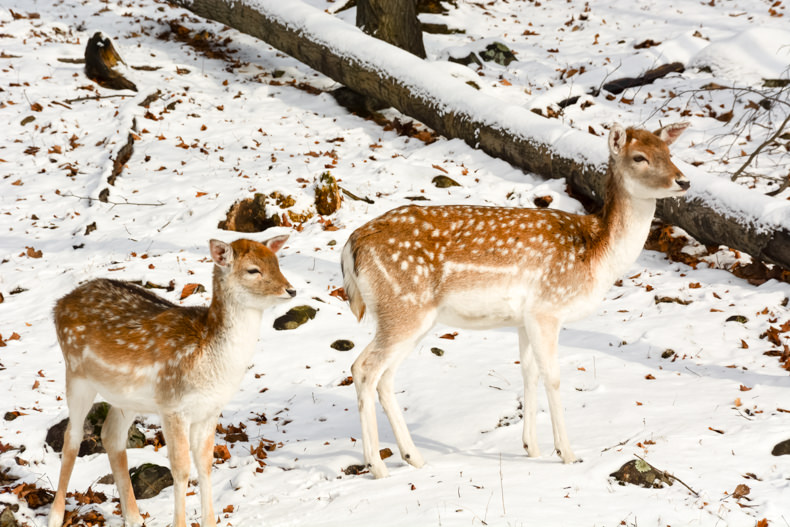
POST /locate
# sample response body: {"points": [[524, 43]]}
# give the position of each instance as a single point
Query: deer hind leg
{"points": [[79, 398], [201, 440], [386, 391], [373, 371], [176, 431], [543, 332], [366, 372], [114, 435], [531, 373]]}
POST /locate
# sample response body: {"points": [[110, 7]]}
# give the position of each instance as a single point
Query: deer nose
{"points": [[291, 291], [683, 183]]}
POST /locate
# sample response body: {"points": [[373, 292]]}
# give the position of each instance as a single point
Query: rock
{"points": [[639, 472], [342, 345], [738, 318], [327, 195], [437, 351], [542, 202], [444, 182], [7, 518], [499, 53], [107, 479], [353, 470], [148, 480], [782, 448], [667, 353], [136, 438], [10, 416], [91, 443], [295, 317]]}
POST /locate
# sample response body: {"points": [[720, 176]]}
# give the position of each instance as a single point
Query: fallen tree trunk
{"points": [[715, 212]]}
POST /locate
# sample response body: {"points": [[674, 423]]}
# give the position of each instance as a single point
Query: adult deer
{"points": [[144, 354], [485, 267]]}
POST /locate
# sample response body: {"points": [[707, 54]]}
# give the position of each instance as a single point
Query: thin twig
{"points": [[667, 474], [760, 148], [71, 195], [355, 197], [95, 98]]}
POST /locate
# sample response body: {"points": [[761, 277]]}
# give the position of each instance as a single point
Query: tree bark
{"points": [[552, 151], [393, 21]]}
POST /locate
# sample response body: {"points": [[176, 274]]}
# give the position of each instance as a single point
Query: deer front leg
{"points": [[114, 435], [201, 439], [176, 431], [530, 372], [543, 332]]}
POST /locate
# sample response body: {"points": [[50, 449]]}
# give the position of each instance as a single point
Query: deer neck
{"points": [[625, 222], [232, 328]]}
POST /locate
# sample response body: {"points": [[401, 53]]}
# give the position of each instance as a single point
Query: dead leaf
{"points": [[339, 293], [744, 388], [221, 453], [741, 491], [190, 289], [32, 253]]}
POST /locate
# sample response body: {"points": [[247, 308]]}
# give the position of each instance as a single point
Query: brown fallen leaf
{"points": [[741, 491], [190, 289]]}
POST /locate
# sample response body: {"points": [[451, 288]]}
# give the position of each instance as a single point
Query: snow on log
{"points": [[715, 211]]}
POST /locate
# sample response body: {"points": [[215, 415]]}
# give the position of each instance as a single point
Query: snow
{"points": [[462, 408]]}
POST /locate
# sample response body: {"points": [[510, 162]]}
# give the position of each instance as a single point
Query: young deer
{"points": [[484, 267], [144, 354]]}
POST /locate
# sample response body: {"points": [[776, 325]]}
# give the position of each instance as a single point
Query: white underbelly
{"points": [[482, 309]]}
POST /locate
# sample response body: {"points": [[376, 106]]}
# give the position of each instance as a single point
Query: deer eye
{"points": [[640, 159], [253, 270]]}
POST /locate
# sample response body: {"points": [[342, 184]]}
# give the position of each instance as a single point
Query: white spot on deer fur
{"points": [[404, 265], [511, 222], [392, 240], [416, 232], [395, 256], [407, 244], [411, 258], [412, 219]]}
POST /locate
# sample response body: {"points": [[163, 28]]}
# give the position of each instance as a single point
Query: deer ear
{"points": [[276, 243], [221, 253], [670, 132], [617, 138]]}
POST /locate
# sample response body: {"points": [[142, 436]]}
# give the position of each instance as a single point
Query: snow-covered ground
{"points": [[222, 131]]}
